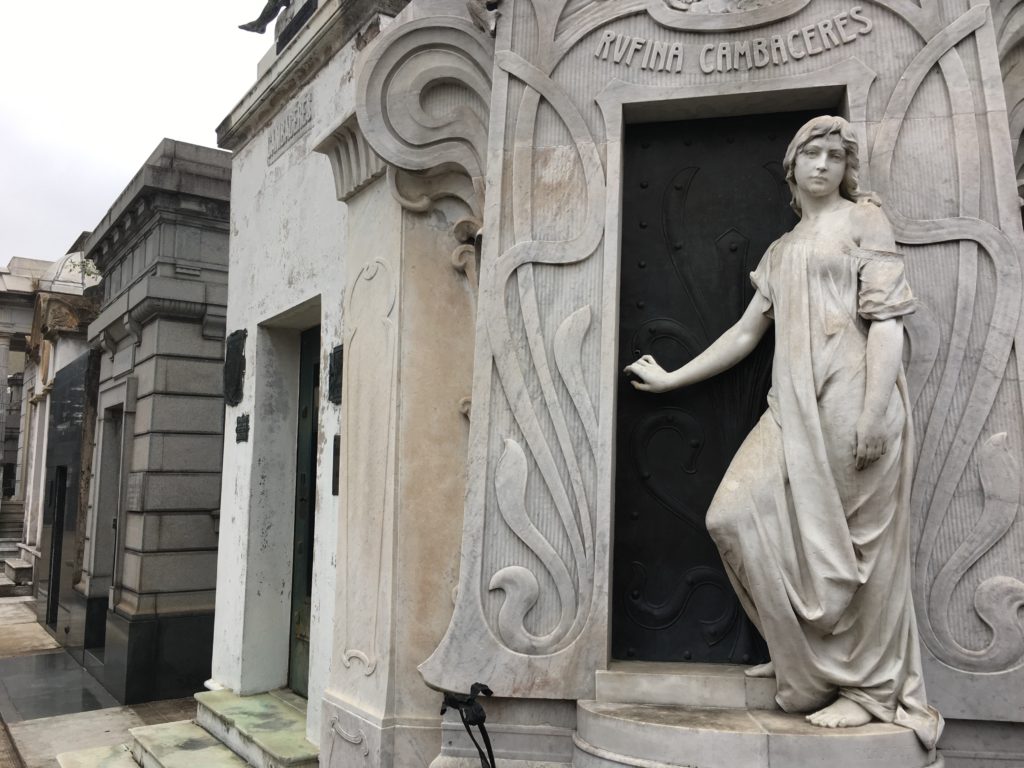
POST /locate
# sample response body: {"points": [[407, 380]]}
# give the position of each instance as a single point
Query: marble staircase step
{"points": [[614, 734], [686, 685], [18, 570], [267, 729], [9, 589], [9, 547], [98, 757], [180, 745]]}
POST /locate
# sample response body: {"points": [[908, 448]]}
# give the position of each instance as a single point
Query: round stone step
{"points": [[645, 736]]}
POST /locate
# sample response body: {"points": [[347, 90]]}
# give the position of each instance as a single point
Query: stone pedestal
{"points": [[703, 737], [712, 716]]}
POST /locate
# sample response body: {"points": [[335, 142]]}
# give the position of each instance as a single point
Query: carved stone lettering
{"points": [[655, 55], [289, 125], [736, 55]]}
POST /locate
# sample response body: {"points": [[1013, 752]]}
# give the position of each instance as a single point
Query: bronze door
{"points": [[703, 199]]}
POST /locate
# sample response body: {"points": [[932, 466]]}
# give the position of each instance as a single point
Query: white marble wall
{"points": [[288, 255]]}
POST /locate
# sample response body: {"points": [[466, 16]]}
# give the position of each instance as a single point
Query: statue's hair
{"points": [[825, 125]]}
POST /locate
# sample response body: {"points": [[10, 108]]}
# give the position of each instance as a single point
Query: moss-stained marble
{"points": [[181, 745], [275, 722]]}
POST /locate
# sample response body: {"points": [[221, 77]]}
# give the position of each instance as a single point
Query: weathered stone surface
{"points": [[176, 376], [161, 452], [180, 745], [688, 685], [167, 336], [627, 734], [184, 530], [98, 757], [268, 730], [169, 571]]}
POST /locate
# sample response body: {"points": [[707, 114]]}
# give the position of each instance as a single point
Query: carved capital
{"points": [[353, 160]]}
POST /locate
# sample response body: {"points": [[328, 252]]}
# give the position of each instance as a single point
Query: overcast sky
{"points": [[89, 89]]}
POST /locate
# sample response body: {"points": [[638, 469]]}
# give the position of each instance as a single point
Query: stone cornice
{"points": [[331, 28], [174, 173]]}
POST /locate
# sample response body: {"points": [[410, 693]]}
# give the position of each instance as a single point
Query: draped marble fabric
{"points": [[817, 550]]}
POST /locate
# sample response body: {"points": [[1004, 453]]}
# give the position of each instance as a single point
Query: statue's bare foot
{"points": [[761, 670], [842, 713]]}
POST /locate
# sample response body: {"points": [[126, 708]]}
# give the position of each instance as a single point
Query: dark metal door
{"points": [[703, 200], [58, 502], [305, 509]]}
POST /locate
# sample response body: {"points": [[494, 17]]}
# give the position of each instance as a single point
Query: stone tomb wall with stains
{"points": [[523, 111]]}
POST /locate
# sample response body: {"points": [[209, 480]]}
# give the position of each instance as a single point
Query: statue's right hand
{"points": [[650, 377]]}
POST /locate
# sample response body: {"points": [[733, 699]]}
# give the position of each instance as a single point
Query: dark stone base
{"points": [[152, 658], [95, 621]]}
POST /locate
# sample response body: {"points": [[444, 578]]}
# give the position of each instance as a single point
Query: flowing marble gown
{"points": [[816, 549]]}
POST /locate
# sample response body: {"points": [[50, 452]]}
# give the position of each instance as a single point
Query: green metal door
{"points": [[305, 509]]}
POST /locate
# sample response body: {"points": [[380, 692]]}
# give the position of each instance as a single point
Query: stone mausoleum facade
{"points": [[450, 231], [140, 593]]}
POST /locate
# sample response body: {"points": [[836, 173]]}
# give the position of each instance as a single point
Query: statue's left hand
{"points": [[871, 440], [650, 377]]}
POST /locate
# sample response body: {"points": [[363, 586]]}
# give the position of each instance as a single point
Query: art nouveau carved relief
{"points": [[371, 344], [537, 112]]}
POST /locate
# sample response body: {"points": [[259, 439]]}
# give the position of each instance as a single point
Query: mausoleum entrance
{"points": [[305, 509], [702, 200]]}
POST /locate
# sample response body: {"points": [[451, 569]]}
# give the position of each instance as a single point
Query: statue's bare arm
{"points": [[727, 350], [884, 348], [884, 355]]}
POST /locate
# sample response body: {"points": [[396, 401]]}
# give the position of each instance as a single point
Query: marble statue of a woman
{"points": [[812, 516]]}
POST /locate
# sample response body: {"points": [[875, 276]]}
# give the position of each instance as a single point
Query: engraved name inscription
{"points": [[655, 55], [796, 44], [289, 125], [736, 55]]}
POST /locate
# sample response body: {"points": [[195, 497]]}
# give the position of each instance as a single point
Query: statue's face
{"points": [[820, 165]]}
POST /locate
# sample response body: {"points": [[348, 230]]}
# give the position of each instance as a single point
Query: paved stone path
{"points": [[22, 634], [50, 705], [40, 741], [8, 757]]}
